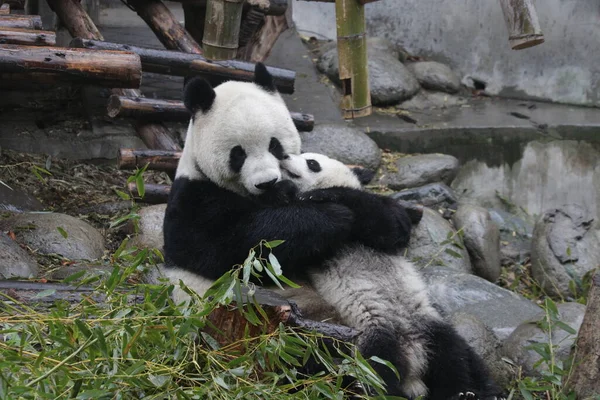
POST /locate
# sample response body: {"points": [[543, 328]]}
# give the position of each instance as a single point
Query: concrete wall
{"points": [[472, 37]]}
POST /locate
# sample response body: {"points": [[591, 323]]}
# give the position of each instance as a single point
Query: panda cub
{"points": [[384, 297]]}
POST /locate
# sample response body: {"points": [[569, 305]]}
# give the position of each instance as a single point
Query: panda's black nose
{"points": [[266, 185]]}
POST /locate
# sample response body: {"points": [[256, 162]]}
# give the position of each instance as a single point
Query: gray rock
{"points": [[430, 244], [150, 225], [529, 333], [41, 232], [432, 195], [499, 309], [344, 143], [15, 200], [482, 239], [14, 261], [435, 76], [66, 271], [426, 100], [421, 169], [565, 246], [485, 343], [515, 237], [390, 81], [381, 45]]}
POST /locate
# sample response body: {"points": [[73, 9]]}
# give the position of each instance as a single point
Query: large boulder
{"points": [[515, 237], [14, 261], [435, 76], [517, 345], [390, 81], [418, 170], [54, 233], [499, 309], [343, 143], [434, 242], [565, 246], [482, 239]]}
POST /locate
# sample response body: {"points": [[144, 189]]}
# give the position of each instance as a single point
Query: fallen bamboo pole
{"points": [[5, 9], [173, 110], [106, 68], [183, 64], [27, 37], [21, 21], [222, 29], [523, 25]]}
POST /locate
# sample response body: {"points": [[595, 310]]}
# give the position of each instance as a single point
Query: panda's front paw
{"points": [[320, 196], [283, 192], [467, 396]]}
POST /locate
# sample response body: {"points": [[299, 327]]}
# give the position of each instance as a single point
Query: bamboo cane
{"points": [[523, 25], [222, 29]]}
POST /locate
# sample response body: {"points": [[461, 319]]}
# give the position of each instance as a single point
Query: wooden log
{"points": [[165, 26], [106, 68], [27, 37], [352, 55], [585, 376], [523, 25], [155, 137], [154, 194], [75, 19], [222, 29], [182, 64], [158, 160], [173, 110], [5, 9], [21, 21]]}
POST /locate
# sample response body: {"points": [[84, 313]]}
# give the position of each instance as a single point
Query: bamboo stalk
{"points": [[21, 21], [352, 54], [5, 9], [27, 37], [173, 110], [183, 64], [222, 29], [523, 25]]}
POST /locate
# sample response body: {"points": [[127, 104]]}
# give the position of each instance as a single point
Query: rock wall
{"points": [[472, 38]]}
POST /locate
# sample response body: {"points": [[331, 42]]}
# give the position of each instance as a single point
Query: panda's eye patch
{"points": [[276, 149], [313, 165], [237, 156]]}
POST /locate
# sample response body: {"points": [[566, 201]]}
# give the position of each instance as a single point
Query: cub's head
{"points": [[238, 134], [316, 171]]}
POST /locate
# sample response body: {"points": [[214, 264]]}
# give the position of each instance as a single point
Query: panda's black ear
{"points": [[198, 95], [364, 175], [263, 78]]}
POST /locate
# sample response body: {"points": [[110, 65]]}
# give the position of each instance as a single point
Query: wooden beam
{"points": [[105, 68], [27, 37], [173, 110], [20, 21], [523, 25], [182, 64]]}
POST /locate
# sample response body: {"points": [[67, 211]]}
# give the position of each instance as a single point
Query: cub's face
{"points": [[316, 171], [239, 133]]}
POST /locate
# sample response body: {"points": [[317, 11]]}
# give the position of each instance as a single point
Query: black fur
{"points": [[263, 78], [276, 149], [208, 229], [237, 157], [364, 175], [198, 95]]}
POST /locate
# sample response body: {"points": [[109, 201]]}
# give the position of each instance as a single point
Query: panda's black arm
{"points": [[380, 222]]}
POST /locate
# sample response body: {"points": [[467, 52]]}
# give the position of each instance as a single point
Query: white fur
{"points": [[242, 114], [334, 173], [193, 281]]}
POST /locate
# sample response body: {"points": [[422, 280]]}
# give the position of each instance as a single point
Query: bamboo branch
{"points": [[352, 54], [21, 21], [523, 24], [183, 64], [173, 110], [27, 37], [222, 29]]}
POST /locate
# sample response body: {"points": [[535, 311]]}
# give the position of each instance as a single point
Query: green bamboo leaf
{"points": [[62, 232]]}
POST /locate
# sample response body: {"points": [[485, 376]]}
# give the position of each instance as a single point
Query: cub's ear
{"points": [[263, 78], [364, 175], [198, 95]]}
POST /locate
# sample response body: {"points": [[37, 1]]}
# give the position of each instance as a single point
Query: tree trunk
{"points": [[165, 26], [173, 110], [222, 29], [523, 24], [103, 68], [352, 54], [21, 21], [75, 19], [27, 37], [183, 64], [585, 377]]}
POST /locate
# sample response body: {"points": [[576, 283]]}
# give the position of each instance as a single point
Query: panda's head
{"points": [[238, 134], [317, 171]]}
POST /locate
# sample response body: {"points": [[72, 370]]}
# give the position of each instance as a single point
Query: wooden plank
{"points": [[27, 37], [21, 21]]}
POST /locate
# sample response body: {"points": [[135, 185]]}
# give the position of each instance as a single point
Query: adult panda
{"points": [[219, 207], [385, 297]]}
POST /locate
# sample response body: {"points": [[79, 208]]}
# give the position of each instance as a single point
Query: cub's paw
{"points": [[465, 396], [283, 192]]}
